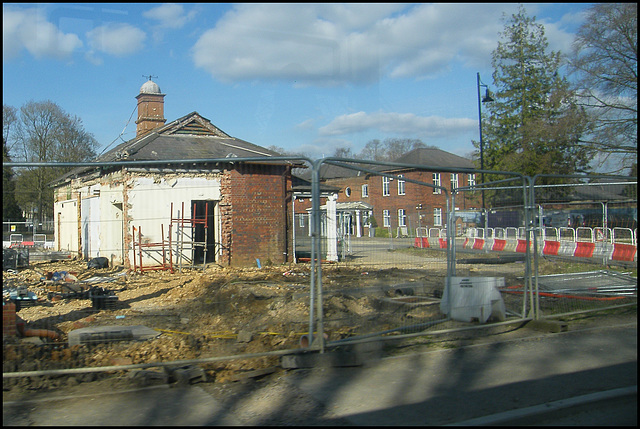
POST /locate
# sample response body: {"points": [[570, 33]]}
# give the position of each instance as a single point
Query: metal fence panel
{"points": [[379, 250], [63, 315], [592, 262], [391, 282]]}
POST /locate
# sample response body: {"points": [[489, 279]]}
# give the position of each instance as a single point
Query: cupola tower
{"points": [[150, 108]]}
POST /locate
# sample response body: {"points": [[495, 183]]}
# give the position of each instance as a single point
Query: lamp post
{"points": [[487, 98]]}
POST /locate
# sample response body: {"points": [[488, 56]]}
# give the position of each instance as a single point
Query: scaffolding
{"points": [[163, 247], [183, 224]]}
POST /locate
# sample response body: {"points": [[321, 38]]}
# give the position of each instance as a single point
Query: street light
{"points": [[486, 99]]}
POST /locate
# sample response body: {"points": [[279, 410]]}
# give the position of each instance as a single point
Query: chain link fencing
{"points": [[377, 250]]}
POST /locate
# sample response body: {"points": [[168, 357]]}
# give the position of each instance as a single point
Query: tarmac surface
{"points": [[584, 376]]}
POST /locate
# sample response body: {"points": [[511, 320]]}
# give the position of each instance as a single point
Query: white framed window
{"points": [[301, 222], [385, 186], [454, 180], [437, 217], [347, 192], [436, 182], [401, 183], [471, 178], [365, 191], [386, 218], [402, 217]]}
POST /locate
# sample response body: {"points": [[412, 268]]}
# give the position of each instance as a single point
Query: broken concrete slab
{"points": [[32, 340], [244, 337], [147, 377], [104, 334], [190, 374]]}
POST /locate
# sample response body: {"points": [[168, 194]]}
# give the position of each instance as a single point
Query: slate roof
{"points": [[189, 137], [431, 157], [434, 157]]}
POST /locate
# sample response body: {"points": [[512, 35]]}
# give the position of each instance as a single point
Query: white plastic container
{"points": [[470, 298]]}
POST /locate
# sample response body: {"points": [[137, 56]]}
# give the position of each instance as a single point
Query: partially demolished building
{"points": [[230, 213]]}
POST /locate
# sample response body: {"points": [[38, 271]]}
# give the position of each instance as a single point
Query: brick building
{"points": [[396, 203], [230, 213]]}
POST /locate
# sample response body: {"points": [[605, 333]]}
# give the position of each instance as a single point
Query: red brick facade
{"points": [[254, 215], [395, 199], [150, 112]]}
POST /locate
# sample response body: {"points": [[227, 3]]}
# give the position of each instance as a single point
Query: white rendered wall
{"points": [[149, 204]]}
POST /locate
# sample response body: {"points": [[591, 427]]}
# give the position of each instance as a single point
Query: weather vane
{"points": [[144, 75]]}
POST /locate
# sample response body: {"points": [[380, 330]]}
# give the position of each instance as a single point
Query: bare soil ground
{"points": [[198, 314]]}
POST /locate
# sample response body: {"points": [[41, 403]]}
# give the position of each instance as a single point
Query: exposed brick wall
{"points": [[254, 214], [226, 218]]}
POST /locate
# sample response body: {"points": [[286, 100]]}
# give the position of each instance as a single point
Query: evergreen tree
{"points": [[533, 126], [10, 209]]}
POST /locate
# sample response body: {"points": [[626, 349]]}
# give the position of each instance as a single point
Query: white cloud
{"points": [[309, 124], [406, 124], [329, 44], [28, 29], [116, 39], [169, 15]]}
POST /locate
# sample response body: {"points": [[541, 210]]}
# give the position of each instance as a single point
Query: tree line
{"points": [[388, 149]]}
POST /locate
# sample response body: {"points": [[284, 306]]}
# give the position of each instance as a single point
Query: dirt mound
{"points": [[196, 313]]}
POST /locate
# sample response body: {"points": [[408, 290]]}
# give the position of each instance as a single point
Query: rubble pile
{"points": [[195, 314]]}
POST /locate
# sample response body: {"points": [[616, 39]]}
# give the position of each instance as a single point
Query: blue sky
{"points": [[304, 77]]}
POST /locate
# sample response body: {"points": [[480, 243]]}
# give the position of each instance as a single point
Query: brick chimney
{"points": [[150, 108]]}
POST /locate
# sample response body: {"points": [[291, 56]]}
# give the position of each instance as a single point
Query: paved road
{"points": [[436, 387], [448, 386]]}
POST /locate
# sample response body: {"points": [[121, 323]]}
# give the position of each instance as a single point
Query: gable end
{"points": [[195, 127]]}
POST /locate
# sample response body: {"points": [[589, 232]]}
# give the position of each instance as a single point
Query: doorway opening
{"points": [[204, 231]]}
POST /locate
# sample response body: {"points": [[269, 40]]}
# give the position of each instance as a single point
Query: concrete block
{"points": [[188, 375], [145, 377], [106, 334], [244, 337], [32, 340]]}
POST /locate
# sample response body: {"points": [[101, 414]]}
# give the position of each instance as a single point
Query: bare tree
{"points": [[398, 147], [285, 152], [9, 119], [45, 133], [390, 149], [343, 152], [373, 151], [605, 62]]}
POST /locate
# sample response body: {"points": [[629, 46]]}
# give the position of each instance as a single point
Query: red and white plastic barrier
{"points": [[624, 252], [580, 249]]}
